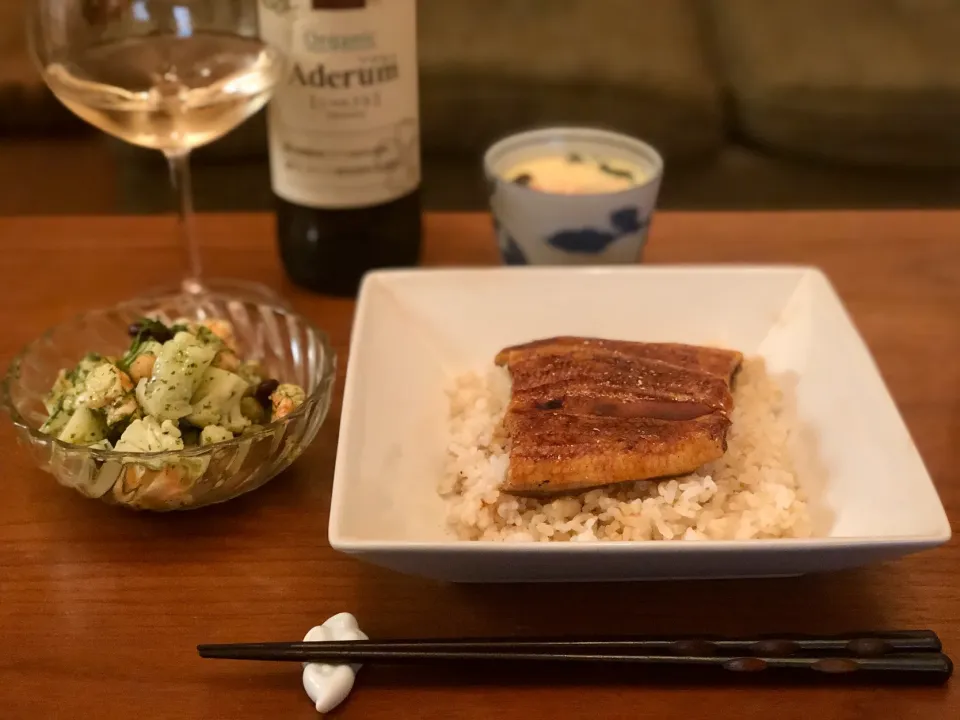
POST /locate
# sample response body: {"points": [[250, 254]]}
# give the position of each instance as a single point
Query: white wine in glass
{"points": [[170, 75]]}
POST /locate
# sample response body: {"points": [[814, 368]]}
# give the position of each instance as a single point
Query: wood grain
{"points": [[100, 608]]}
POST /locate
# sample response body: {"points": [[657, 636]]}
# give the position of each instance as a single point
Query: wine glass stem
{"points": [[179, 161]]}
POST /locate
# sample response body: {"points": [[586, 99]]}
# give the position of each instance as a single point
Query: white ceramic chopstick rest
{"points": [[329, 685]]}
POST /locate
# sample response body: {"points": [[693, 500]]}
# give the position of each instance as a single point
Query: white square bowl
{"points": [[870, 494]]}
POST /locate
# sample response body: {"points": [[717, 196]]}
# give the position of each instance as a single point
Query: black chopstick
{"points": [[911, 654], [866, 644], [934, 666]]}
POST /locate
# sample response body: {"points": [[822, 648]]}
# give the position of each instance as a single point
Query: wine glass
{"points": [[171, 75]]}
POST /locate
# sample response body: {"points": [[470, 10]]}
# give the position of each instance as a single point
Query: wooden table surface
{"points": [[100, 608]]}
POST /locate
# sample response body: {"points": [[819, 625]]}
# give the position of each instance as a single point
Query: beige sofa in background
{"points": [[754, 103]]}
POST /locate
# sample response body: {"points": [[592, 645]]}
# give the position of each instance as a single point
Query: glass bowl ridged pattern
{"points": [[288, 347]]}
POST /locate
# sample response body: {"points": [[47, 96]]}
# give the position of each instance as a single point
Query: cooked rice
{"points": [[751, 492]]}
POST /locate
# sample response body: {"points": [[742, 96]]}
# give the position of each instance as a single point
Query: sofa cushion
{"points": [[491, 67], [872, 82]]}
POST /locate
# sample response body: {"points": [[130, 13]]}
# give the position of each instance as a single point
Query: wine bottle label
{"points": [[344, 123]]}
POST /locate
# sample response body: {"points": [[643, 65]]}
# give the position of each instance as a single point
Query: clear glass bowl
{"points": [[287, 345]]}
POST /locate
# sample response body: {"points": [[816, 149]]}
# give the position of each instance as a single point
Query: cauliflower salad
{"points": [[178, 386]]}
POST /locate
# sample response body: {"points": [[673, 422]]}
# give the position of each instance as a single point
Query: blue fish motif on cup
{"points": [[625, 221]]}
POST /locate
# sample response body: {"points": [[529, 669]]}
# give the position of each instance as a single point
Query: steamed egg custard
{"points": [[577, 174]]}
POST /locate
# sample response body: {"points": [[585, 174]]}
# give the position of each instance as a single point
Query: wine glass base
{"points": [[192, 286], [246, 290]]}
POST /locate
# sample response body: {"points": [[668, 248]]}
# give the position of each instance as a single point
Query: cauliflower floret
{"points": [[149, 435], [69, 384], [124, 409], [219, 335], [109, 389], [104, 385], [285, 399], [84, 427], [213, 434], [53, 401], [59, 417], [176, 374], [95, 384], [217, 400]]}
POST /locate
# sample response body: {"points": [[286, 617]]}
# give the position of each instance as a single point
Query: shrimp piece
{"points": [[142, 367], [285, 399], [223, 330]]}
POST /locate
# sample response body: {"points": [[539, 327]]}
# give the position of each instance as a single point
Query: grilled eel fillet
{"points": [[587, 412], [713, 361]]}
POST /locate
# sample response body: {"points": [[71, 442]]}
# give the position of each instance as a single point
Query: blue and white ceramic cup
{"points": [[536, 227]]}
